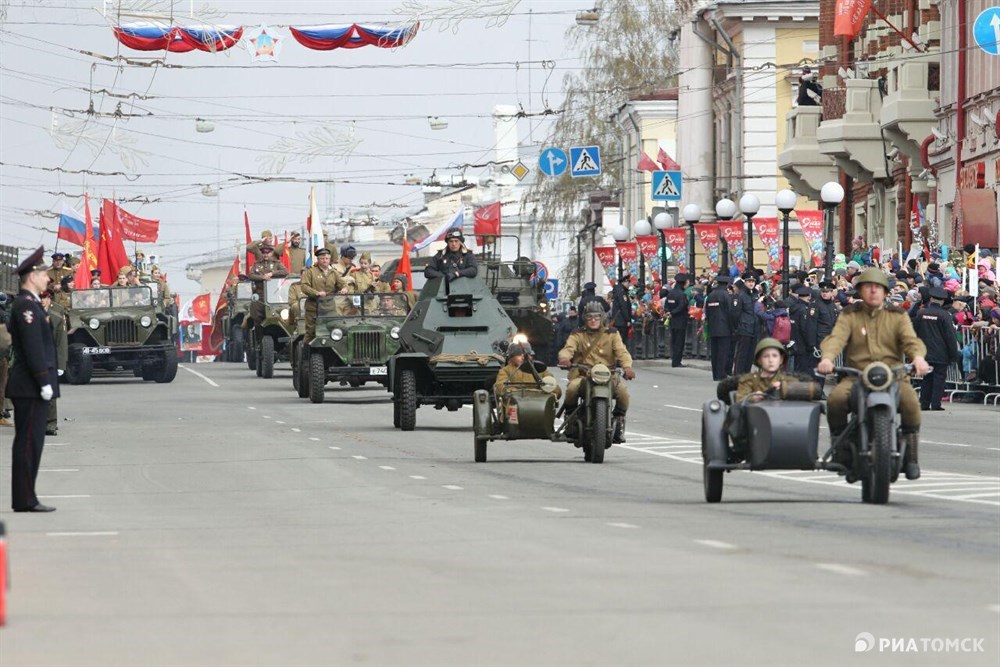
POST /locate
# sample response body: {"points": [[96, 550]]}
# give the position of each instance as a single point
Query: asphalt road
{"points": [[221, 520]]}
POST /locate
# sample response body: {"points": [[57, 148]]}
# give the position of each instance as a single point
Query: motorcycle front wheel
{"points": [[599, 430], [877, 479]]}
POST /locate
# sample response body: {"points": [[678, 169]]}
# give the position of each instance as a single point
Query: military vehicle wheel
{"points": [[356, 383], [81, 367], [251, 353], [266, 361], [481, 444], [599, 434], [149, 373], [168, 371], [407, 400], [234, 350], [301, 375], [395, 414], [137, 370], [317, 378]]}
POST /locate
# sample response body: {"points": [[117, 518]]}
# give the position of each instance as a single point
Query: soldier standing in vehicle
{"points": [[872, 330], [455, 261], [57, 319], [936, 328], [266, 239], [594, 343], [318, 281], [720, 319], [364, 279], [294, 296], [263, 270], [296, 253], [59, 270]]}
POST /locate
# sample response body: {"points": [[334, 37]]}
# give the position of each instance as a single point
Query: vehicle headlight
{"points": [[94, 323], [519, 338], [336, 334], [877, 376], [284, 313], [394, 333], [601, 374], [549, 384], [145, 321]]}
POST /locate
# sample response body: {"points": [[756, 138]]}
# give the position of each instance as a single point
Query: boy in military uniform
{"points": [[364, 279], [512, 373], [455, 261], [595, 343], [873, 330], [770, 357]]}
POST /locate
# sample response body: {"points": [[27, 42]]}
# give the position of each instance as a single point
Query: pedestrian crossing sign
{"points": [[585, 161], [666, 186]]}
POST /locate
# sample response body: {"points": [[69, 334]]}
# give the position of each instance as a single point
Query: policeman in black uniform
{"points": [[802, 314], [33, 382], [936, 327], [746, 329], [676, 305], [721, 322], [455, 261], [590, 294], [826, 309]]}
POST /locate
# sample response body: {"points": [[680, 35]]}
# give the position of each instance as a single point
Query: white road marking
{"points": [[386, 467], [991, 494], [681, 407], [994, 607], [336, 449], [619, 524], [250, 407], [296, 430], [92, 533], [555, 509], [314, 439], [417, 477], [265, 416], [452, 487], [58, 470], [947, 444], [359, 457], [206, 379], [496, 496], [837, 568], [716, 544], [56, 444], [76, 495], [277, 422], [994, 449]]}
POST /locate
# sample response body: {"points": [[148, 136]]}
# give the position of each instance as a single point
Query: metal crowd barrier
{"points": [[978, 372]]}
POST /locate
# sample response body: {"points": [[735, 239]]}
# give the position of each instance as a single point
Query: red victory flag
{"points": [[666, 161], [88, 259], [111, 256], [487, 222], [133, 228], [286, 257], [215, 337], [646, 163], [848, 17], [246, 223], [403, 268]]}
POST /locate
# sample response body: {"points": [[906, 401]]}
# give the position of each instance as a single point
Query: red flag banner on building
{"points": [[676, 240], [649, 246], [629, 254], [217, 333], [731, 232], [812, 230], [403, 268], [666, 161], [768, 231], [849, 16], [133, 228], [646, 163], [708, 236], [607, 257], [487, 223], [88, 258], [246, 224]]}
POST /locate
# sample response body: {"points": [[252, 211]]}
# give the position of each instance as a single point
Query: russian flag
{"points": [[457, 222], [72, 229]]}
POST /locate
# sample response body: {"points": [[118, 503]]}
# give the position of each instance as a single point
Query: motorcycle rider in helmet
{"points": [[596, 343], [455, 261], [874, 330]]}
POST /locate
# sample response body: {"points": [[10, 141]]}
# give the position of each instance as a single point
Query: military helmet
{"points": [[595, 308], [515, 349], [455, 234], [872, 275], [768, 343]]}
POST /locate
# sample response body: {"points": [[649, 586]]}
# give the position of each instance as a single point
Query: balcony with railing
{"points": [[800, 160], [908, 107], [854, 140]]}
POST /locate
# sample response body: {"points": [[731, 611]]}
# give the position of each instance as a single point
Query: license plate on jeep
{"points": [[96, 350], [379, 370]]}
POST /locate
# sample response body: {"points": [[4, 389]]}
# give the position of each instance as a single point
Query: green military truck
{"points": [[114, 328], [270, 341], [232, 323]]}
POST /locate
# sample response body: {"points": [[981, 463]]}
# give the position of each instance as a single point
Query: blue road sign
{"points": [[585, 161], [553, 161], [552, 289], [986, 31], [666, 186]]}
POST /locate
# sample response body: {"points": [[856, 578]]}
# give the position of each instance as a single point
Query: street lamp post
{"points": [[663, 221], [725, 209], [832, 194], [620, 235], [749, 206], [785, 201], [691, 213], [642, 228]]}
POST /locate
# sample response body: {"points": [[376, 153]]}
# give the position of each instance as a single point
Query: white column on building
{"points": [[694, 123], [760, 150]]}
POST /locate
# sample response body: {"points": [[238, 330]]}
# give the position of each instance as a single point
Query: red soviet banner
{"points": [[649, 246], [812, 229], [134, 228], [606, 256], [676, 240], [848, 16], [732, 233], [767, 230], [708, 234], [629, 254]]}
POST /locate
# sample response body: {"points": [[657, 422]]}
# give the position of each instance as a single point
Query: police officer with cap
{"points": [[676, 305], [936, 328], [590, 294], [33, 382], [719, 316], [804, 341], [826, 309], [746, 328], [455, 261]]}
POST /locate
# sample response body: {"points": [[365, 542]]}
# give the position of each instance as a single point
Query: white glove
{"points": [[47, 392], [60, 372]]}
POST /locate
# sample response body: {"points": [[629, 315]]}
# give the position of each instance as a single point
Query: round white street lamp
{"points": [[832, 193]]}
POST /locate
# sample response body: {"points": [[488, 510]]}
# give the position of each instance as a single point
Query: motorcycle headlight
{"points": [[336, 334], [877, 376], [394, 333], [549, 384], [284, 313], [145, 321], [600, 374], [94, 323]]}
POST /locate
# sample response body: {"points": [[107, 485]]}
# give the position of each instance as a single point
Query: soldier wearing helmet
{"points": [[594, 343], [770, 357], [873, 330], [455, 261], [512, 373]]}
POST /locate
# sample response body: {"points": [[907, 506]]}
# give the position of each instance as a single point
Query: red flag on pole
{"points": [[286, 257], [88, 258], [646, 163], [134, 228], [111, 256], [246, 223], [487, 222], [666, 161], [403, 268], [849, 16], [215, 337]]}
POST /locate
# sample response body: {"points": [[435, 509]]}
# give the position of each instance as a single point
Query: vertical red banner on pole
{"points": [[768, 231], [629, 254], [649, 246], [676, 240], [732, 233], [607, 257], [708, 235], [812, 230]]}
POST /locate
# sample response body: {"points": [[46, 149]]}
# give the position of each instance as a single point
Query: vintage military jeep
{"points": [[452, 344], [300, 362], [115, 328], [270, 340], [356, 334], [232, 323]]}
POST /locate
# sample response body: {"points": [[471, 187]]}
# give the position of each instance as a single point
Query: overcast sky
{"points": [[388, 94]]}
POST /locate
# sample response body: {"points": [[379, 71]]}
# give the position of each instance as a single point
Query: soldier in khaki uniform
{"points": [[61, 290], [296, 253], [57, 319], [511, 372], [59, 270], [873, 330], [156, 275], [596, 343], [266, 238], [263, 270], [294, 295], [319, 280], [770, 356], [364, 279]]}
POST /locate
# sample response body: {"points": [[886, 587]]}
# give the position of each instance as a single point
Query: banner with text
{"points": [[606, 256], [732, 233], [677, 242], [767, 230], [649, 246], [812, 229], [708, 235], [629, 254]]}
